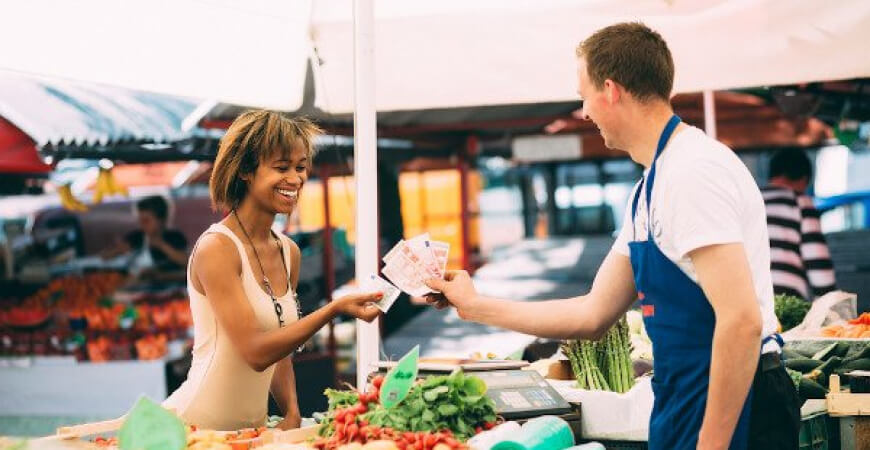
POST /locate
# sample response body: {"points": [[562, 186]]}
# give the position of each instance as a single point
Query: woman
{"points": [[242, 279]]}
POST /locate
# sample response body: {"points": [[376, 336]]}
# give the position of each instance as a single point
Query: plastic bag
{"points": [[610, 415], [831, 308]]}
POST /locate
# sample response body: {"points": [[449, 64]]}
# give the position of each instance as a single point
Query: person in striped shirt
{"points": [[800, 261]]}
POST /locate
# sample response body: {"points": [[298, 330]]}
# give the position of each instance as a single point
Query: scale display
{"points": [[522, 393]]}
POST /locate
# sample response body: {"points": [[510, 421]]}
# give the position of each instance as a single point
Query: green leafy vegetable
{"points": [[790, 310]]}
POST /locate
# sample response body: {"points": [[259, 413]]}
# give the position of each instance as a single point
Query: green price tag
{"points": [[400, 379], [151, 427]]}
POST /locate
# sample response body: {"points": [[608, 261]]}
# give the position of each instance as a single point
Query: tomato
{"points": [[478, 430], [488, 425]]}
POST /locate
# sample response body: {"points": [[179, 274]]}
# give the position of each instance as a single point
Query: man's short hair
{"points": [[793, 164], [155, 205], [632, 55]]}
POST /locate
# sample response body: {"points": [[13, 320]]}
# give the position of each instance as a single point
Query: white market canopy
{"points": [[450, 53]]}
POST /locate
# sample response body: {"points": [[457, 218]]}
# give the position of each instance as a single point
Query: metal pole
{"points": [[365, 174], [710, 114], [328, 253], [464, 155]]}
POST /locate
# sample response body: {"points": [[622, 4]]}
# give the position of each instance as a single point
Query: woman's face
{"points": [[277, 182]]}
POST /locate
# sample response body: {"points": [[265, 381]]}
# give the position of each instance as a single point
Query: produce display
{"points": [[790, 310], [603, 365], [79, 316], [855, 328], [439, 413], [811, 372]]}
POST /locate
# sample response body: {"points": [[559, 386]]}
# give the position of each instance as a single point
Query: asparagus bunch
{"points": [[603, 365]]}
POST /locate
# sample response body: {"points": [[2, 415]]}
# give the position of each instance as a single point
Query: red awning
{"points": [[18, 152]]}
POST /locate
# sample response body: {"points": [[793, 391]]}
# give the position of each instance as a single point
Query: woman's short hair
{"points": [[254, 137]]}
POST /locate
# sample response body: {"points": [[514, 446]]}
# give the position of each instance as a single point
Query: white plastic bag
{"points": [[831, 308], [610, 415]]}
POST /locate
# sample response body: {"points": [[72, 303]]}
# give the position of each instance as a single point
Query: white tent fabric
{"points": [[251, 52], [486, 52], [450, 53]]}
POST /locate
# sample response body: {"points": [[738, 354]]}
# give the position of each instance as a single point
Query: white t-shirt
{"points": [[704, 195]]}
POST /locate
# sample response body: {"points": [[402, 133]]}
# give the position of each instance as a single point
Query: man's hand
{"points": [[457, 290]]}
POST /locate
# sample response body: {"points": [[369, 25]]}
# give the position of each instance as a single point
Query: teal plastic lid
{"points": [[540, 433]]}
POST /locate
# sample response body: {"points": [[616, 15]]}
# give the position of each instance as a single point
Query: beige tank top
{"points": [[222, 392]]}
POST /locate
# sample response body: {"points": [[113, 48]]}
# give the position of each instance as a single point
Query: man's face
{"points": [[149, 223], [597, 107]]}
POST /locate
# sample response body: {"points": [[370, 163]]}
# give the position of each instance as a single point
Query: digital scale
{"points": [[518, 394], [522, 393]]}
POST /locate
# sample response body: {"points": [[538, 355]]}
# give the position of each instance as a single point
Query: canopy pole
{"points": [[365, 175], [464, 155], [328, 263], [710, 113]]}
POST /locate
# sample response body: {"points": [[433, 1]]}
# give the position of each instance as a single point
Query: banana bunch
{"points": [[68, 200], [106, 185]]}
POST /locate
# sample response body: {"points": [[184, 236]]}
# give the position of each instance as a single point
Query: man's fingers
{"points": [[436, 284], [451, 275]]}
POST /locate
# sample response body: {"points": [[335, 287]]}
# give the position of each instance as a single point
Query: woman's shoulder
{"points": [[290, 244], [216, 247]]}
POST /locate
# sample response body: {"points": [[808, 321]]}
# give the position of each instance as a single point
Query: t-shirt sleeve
{"points": [[625, 233], [704, 206], [176, 239], [135, 239]]}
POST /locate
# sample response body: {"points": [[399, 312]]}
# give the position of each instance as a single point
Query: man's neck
{"points": [[785, 183], [648, 122]]}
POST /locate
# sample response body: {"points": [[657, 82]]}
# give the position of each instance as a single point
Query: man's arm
{"points": [[175, 250], [724, 275], [814, 250], [588, 316]]}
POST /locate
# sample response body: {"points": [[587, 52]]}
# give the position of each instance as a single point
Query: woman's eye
{"points": [[301, 168], [282, 168]]}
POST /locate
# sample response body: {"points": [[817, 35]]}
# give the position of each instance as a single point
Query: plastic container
{"points": [[859, 381], [540, 433], [814, 432], [588, 446]]}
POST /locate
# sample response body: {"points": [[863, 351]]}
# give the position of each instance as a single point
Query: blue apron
{"points": [[680, 322]]}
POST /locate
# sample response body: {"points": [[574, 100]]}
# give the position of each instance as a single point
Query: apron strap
{"points": [[774, 337], [646, 184]]}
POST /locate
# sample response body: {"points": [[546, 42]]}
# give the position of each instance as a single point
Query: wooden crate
{"points": [[842, 403]]}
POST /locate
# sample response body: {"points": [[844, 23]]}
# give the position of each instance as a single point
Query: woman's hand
{"points": [[360, 305], [290, 422]]}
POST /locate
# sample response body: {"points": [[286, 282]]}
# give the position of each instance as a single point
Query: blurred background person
{"points": [[157, 253], [800, 260]]}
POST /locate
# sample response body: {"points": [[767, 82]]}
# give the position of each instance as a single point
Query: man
{"points": [[159, 253], [800, 261], [701, 271]]}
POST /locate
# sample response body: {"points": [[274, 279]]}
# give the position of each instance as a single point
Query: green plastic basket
{"points": [[814, 432]]}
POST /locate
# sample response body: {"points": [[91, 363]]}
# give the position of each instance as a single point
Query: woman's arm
{"points": [[283, 385], [216, 270], [283, 389]]}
